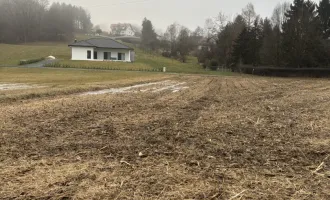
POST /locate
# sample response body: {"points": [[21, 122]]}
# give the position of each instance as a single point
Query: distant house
{"points": [[101, 49], [122, 30]]}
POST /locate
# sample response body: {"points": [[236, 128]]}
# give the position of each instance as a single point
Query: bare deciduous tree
{"points": [[172, 33], [215, 25], [278, 17], [249, 14], [221, 21], [209, 27], [199, 32]]}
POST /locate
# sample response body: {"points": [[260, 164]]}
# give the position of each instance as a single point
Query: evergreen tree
{"points": [[256, 42], [224, 44], [277, 45], [184, 44], [268, 49], [324, 15], [226, 40], [248, 44], [302, 35], [149, 36], [240, 50]]}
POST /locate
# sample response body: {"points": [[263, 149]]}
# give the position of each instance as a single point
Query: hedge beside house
{"points": [[287, 72]]}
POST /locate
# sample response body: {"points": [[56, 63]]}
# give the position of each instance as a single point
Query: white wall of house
{"points": [[127, 32], [114, 54], [80, 53], [124, 31]]}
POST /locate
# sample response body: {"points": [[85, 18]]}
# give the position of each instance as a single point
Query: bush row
{"points": [[26, 62], [211, 64], [59, 65], [286, 72]]}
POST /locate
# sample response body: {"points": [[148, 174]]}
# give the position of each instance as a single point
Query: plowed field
{"points": [[218, 138]]}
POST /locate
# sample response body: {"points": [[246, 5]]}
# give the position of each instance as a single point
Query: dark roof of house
{"points": [[100, 43]]}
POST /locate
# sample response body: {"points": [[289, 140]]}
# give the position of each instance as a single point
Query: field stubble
{"points": [[223, 138]]}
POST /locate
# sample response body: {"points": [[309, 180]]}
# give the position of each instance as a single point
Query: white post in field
{"points": [[129, 56], [164, 69]]}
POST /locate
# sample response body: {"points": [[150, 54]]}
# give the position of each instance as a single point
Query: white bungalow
{"points": [[101, 49]]}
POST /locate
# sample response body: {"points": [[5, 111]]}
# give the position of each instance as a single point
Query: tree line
{"points": [[36, 20], [177, 42], [296, 35]]}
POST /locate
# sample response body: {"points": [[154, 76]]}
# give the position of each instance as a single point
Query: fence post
{"points": [[164, 69]]}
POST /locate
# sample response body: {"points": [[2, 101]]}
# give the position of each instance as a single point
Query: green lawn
{"points": [[145, 61], [12, 54]]}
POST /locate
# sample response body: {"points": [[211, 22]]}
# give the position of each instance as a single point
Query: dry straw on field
{"points": [[223, 138]]}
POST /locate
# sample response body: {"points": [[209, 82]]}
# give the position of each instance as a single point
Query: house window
{"points": [[89, 54], [121, 56], [107, 55], [95, 55]]}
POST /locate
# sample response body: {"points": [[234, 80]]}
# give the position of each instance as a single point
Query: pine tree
{"points": [[226, 40], [324, 15], [224, 44], [240, 50], [184, 44], [268, 49], [149, 36], [278, 45], [256, 41], [248, 44], [302, 35]]}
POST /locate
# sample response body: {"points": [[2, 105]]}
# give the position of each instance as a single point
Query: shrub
{"points": [[213, 65], [206, 63], [26, 62], [166, 54], [287, 72]]}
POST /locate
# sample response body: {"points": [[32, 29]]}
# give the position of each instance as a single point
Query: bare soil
{"points": [[221, 138], [159, 86]]}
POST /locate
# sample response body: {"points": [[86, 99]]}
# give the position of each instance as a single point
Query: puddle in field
{"points": [[168, 85], [15, 86]]}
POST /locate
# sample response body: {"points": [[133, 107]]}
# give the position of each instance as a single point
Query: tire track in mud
{"points": [[117, 111], [183, 113]]}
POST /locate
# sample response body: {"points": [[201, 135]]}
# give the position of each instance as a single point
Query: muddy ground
{"points": [[221, 138]]}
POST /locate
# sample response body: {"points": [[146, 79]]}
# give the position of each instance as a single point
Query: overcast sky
{"points": [[190, 13]]}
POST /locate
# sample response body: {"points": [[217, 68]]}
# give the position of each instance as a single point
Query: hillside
{"points": [[12, 54]]}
